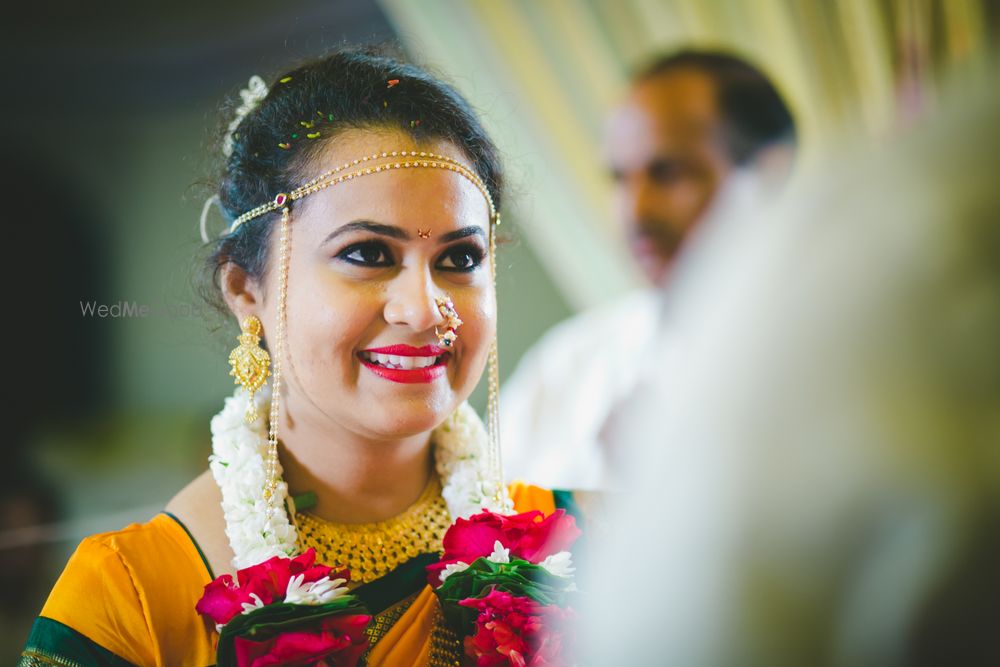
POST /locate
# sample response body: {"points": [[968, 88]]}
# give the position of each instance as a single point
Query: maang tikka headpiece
{"points": [[364, 166]]}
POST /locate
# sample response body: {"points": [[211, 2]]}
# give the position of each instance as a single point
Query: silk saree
{"points": [[128, 598]]}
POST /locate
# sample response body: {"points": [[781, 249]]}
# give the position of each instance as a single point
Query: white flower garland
{"points": [[237, 463]]}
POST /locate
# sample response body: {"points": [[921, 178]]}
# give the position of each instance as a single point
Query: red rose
{"points": [[268, 581], [516, 630], [336, 641], [222, 600], [530, 536]]}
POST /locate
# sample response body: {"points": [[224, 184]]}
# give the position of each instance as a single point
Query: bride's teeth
{"points": [[400, 362]]}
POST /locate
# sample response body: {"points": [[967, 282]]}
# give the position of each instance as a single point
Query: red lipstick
{"points": [[378, 361]]}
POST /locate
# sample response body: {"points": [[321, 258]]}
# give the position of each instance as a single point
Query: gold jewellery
{"points": [[396, 160], [271, 463], [372, 550], [451, 321], [250, 363], [364, 166]]}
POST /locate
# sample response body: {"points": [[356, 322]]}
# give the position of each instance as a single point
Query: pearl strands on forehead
{"points": [[367, 165]]}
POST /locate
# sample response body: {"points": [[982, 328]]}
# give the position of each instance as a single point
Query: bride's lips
{"points": [[406, 364]]}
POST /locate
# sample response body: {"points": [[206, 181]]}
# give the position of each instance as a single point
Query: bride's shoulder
{"points": [[198, 507]]}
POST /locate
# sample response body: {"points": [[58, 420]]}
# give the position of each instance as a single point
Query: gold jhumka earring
{"points": [[250, 363]]}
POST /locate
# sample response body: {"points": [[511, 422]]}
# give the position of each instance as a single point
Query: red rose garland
{"points": [[286, 611], [503, 582], [517, 630], [530, 536]]}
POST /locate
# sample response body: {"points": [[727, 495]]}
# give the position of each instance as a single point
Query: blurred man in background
{"points": [[699, 134], [824, 487]]}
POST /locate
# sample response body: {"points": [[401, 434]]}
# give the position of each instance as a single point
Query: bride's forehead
{"points": [[379, 204], [393, 195], [358, 144], [438, 210]]}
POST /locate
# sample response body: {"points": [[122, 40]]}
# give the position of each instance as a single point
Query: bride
{"points": [[362, 197]]}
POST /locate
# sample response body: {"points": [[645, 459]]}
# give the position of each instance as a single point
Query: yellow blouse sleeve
{"points": [[133, 592], [96, 596]]}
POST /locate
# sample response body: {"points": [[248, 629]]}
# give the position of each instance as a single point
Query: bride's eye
{"points": [[366, 253], [461, 258]]}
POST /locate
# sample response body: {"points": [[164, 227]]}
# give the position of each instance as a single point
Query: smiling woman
{"points": [[363, 197]]}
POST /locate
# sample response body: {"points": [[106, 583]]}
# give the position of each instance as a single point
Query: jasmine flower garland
{"points": [[237, 463]]}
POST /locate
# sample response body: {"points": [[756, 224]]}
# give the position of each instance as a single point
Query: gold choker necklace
{"points": [[372, 550]]}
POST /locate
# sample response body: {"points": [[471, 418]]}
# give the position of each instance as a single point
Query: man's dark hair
{"points": [[753, 111]]}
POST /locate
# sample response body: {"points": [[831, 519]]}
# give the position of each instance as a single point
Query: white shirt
{"points": [[566, 413], [555, 405]]}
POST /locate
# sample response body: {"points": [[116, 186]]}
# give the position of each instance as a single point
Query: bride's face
{"points": [[368, 258]]}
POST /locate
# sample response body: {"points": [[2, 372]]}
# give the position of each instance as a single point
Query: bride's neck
{"points": [[355, 479]]}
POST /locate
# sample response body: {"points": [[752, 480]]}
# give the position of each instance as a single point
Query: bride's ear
{"points": [[241, 292]]}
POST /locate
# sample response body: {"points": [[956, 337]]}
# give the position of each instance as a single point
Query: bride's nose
{"points": [[411, 301]]}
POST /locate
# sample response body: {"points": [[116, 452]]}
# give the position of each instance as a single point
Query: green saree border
{"points": [[53, 643], [396, 586], [564, 501]]}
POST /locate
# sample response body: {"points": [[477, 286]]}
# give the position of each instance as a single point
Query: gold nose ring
{"points": [[448, 332]]}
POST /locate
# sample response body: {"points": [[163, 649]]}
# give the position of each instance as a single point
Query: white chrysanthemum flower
{"points": [[250, 606], [320, 591], [560, 564], [499, 555], [452, 568]]}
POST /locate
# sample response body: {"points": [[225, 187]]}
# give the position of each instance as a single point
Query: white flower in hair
{"points": [[252, 95]]}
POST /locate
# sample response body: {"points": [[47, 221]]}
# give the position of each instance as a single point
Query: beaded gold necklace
{"points": [[373, 550]]}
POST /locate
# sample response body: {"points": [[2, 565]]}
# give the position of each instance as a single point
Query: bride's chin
{"points": [[397, 422]]}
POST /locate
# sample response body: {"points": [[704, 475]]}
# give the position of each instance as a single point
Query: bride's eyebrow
{"points": [[471, 230], [368, 226], [399, 233]]}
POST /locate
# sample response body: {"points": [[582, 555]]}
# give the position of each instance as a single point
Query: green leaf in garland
{"points": [[277, 618], [518, 577]]}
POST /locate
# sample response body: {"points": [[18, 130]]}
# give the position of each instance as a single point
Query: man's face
{"points": [[665, 152]]}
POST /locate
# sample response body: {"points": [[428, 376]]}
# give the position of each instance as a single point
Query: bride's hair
{"points": [[274, 144]]}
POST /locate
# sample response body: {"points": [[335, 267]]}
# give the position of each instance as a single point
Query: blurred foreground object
{"points": [[816, 481]]}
